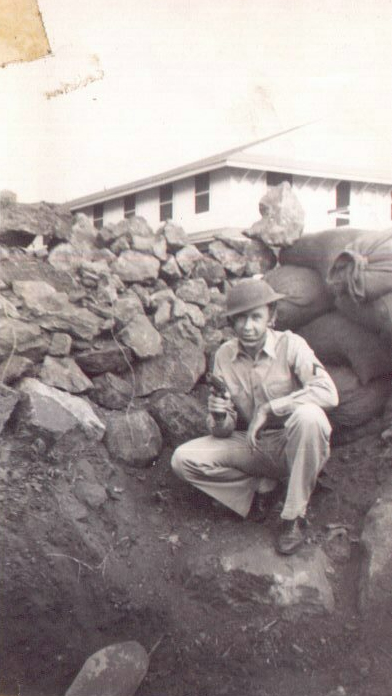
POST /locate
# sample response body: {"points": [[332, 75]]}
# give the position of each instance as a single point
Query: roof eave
{"points": [[143, 185]]}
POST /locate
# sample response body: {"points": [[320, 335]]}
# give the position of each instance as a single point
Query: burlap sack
{"points": [[358, 403], [363, 269], [282, 217], [306, 298], [318, 251], [376, 315], [338, 341]]}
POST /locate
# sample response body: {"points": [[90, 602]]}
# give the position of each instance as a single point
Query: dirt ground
{"points": [[69, 588]]}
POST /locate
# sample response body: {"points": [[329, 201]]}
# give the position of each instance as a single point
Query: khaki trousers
{"points": [[229, 471]]}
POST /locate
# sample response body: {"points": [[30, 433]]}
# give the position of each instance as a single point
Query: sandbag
{"points": [[358, 403], [306, 296], [318, 251], [282, 217], [338, 341], [363, 269], [376, 315]]}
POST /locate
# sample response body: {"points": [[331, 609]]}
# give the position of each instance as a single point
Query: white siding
{"points": [[234, 202], [113, 210]]}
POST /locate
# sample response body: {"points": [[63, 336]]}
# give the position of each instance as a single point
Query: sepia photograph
{"points": [[196, 348]]}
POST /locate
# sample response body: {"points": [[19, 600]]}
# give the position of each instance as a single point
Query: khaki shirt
{"points": [[285, 374]]}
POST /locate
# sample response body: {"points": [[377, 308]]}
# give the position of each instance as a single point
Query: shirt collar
{"points": [[268, 347]]}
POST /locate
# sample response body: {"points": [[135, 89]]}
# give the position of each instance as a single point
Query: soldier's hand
{"points": [[257, 423], [217, 404]]}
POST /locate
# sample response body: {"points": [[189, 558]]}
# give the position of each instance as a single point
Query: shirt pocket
{"points": [[278, 388]]}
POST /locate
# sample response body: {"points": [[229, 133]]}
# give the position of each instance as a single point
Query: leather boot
{"points": [[291, 536]]}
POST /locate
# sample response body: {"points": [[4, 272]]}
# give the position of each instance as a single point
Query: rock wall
{"points": [[108, 333]]}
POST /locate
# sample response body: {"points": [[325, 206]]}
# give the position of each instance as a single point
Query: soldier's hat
{"points": [[249, 294]]}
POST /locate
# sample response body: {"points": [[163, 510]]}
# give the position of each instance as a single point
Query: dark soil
{"points": [[69, 588]]}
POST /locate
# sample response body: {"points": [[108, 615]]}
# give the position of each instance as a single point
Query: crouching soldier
{"points": [[276, 387]]}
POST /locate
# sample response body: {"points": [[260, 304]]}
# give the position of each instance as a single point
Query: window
{"points": [[343, 203], [129, 205], [166, 202], [202, 193], [276, 178], [98, 215]]}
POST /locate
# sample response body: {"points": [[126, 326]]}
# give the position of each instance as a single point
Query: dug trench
{"points": [[74, 582]]}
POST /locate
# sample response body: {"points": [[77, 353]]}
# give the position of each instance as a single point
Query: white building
{"points": [[338, 179]]}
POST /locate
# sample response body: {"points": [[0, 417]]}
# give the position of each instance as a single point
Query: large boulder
{"points": [[39, 296], [134, 225], [52, 413], [232, 260], [135, 267], [66, 257], [125, 308], [175, 236], [376, 544], [46, 219], [282, 217], [250, 574], [195, 291], [83, 234], [53, 311], [105, 356], [21, 338], [8, 400], [112, 392], [170, 270], [179, 367], [179, 416], [210, 269], [155, 245], [133, 439], [15, 367], [116, 670], [140, 335], [259, 257], [60, 344], [65, 374], [187, 257]]}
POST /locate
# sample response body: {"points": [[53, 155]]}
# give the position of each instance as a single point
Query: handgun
{"points": [[219, 388]]}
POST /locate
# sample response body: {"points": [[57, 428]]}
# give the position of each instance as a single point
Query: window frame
{"points": [[98, 216], [129, 210], [202, 184], [165, 202]]}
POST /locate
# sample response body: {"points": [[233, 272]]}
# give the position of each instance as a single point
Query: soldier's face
{"points": [[251, 326]]}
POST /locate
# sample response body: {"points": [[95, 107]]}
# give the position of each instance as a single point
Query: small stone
{"points": [[135, 267], [119, 245], [195, 315], [8, 401], [195, 291], [60, 344], [175, 236], [126, 308], [163, 314], [171, 270], [210, 270], [133, 439], [140, 335], [116, 670], [230, 259], [64, 373], [165, 295], [93, 494], [187, 257]]}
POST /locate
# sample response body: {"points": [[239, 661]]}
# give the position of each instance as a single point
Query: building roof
{"points": [[319, 149]]}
